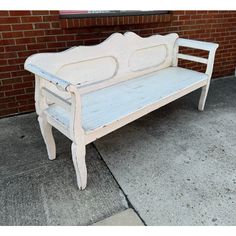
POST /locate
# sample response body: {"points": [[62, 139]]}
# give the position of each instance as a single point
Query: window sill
{"points": [[70, 23]]}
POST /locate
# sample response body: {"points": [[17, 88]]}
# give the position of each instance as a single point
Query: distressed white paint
{"points": [[192, 58], [89, 71], [54, 98], [87, 92], [46, 130], [109, 104], [77, 135], [148, 57]]}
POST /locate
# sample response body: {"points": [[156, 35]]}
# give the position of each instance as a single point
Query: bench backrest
{"points": [[119, 57]]}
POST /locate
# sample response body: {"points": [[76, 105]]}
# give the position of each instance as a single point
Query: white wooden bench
{"points": [[87, 92]]}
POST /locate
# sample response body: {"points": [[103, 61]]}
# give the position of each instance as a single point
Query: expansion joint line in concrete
{"points": [[126, 197]]}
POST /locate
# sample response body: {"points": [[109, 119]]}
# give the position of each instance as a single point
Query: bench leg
{"points": [[78, 157], [203, 98], [46, 130]]}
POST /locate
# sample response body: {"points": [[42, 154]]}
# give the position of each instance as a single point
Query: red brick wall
{"points": [[23, 33]]}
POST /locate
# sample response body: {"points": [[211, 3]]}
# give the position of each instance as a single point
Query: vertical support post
{"points": [[209, 71], [78, 147], [175, 53], [45, 127]]}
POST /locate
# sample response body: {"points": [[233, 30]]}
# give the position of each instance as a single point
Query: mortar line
{"points": [[130, 205]]}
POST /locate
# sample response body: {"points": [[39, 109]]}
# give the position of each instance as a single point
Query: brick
{"points": [[51, 18], [29, 90], [23, 85], [53, 32], [55, 25], [5, 87], [36, 46], [31, 19], [54, 12], [56, 44], [42, 25], [9, 20], [63, 23], [7, 41], [25, 40], [16, 61], [20, 13], [184, 17], [3, 106], [2, 49], [5, 75], [196, 16], [24, 54], [6, 100], [25, 97], [65, 37], [26, 108], [3, 62], [28, 78], [8, 55], [5, 28], [22, 27], [34, 33], [15, 48], [73, 43], [70, 22], [4, 13], [46, 39], [40, 13], [14, 104], [76, 23], [10, 68], [19, 73], [12, 34], [14, 92], [11, 81]]}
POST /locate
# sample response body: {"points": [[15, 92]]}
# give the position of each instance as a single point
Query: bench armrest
{"points": [[60, 83], [197, 44], [206, 46]]}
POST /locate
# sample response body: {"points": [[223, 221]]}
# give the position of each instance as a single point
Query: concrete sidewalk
{"points": [[37, 191], [175, 166]]}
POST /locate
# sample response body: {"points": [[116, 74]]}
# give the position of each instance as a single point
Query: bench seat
{"points": [[105, 106]]}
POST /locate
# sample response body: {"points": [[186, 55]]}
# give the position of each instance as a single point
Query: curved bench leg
{"points": [[46, 130], [203, 98], [78, 157]]}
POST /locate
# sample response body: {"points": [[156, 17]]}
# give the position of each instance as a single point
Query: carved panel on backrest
{"points": [[89, 71], [118, 58], [146, 58], [151, 53]]}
